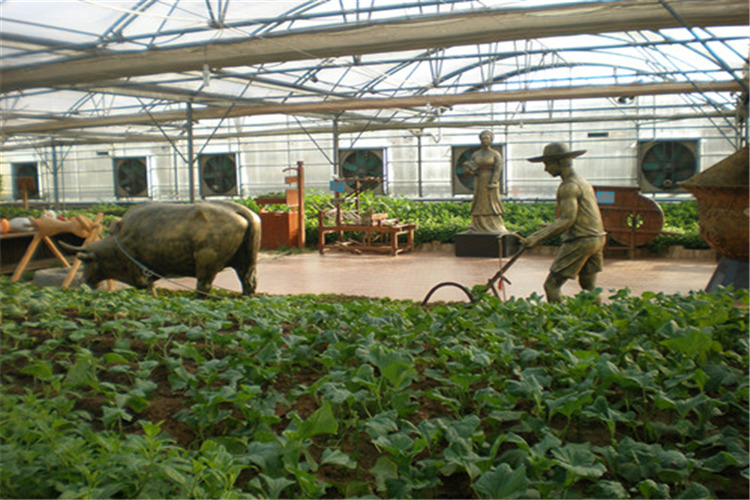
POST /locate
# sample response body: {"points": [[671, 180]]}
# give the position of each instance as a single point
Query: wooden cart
{"points": [[375, 232]]}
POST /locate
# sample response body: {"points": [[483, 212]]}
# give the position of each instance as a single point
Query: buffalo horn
{"points": [[70, 248]]}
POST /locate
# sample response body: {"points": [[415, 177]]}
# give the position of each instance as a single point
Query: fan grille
{"points": [[131, 176], [358, 163], [218, 174], [665, 164]]}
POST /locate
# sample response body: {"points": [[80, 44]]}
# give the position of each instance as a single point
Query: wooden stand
{"points": [[94, 231], [285, 228], [31, 250], [377, 232], [45, 228], [26, 185]]}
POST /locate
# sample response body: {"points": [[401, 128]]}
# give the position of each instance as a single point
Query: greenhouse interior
{"points": [[362, 339]]}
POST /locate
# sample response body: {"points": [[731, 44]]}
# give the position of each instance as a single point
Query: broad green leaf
{"points": [[365, 375], [694, 343], [39, 369], [380, 356], [138, 403], [519, 441], [111, 358], [398, 444], [696, 403], [670, 458], [320, 422], [601, 410], [383, 470], [233, 445], [548, 442], [569, 403], [335, 392], [722, 375], [502, 482], [267, 456], [723, 459], [465, 380], [396, 488], [610, 489], [143, 387], [651, 489], [506, 415], [276, 485], [309, 483], [700, 378], [695, 490], [181, 379], [460, 454], [337, 457], [528, 357], [531, 383], [382, 423], [579, 460], [399, 373], [356, 489], [464, 430], [82, 373], [112, 414]]}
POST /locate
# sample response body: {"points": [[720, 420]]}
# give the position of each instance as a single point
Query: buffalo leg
{"points": [[204, 285], [248, 277], [245, 265], [205, 270]]}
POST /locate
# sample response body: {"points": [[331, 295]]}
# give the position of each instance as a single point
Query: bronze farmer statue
{"points": [[486, 209], [579, 222]]}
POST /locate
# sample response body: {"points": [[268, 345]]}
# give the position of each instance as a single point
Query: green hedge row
{"points": [[441, 221]]}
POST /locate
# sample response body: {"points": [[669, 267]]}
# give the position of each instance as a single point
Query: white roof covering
{"points": [[81, 71]]}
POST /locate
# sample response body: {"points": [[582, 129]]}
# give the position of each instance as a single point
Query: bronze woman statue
{"points": [[486, 208]]}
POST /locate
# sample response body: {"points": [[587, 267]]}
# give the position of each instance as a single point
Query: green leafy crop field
{"points": [[123, 395]]}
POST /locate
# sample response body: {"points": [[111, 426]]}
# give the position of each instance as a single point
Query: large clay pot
{"points": [[724, 205]]}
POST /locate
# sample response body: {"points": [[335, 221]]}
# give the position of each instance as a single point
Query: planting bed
{"points": [[119, 394]]}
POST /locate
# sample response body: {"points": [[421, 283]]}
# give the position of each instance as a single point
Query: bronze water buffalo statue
{"points": [[156, 240]]}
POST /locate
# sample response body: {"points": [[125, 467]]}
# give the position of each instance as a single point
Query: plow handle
{"points": [[505, 267]]}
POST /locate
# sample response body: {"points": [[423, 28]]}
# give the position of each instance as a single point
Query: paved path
{"points": [[412, 275]]}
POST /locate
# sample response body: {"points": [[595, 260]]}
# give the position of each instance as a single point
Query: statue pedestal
{"points": [[729, 272], [487, 245]]}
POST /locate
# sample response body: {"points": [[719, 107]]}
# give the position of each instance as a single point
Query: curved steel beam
{"points": [[424, 32], [339, 105]]}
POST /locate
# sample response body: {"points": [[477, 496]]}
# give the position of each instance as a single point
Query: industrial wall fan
{"points": [[218, 174], [662, 165], [26, 180], [462, 182], [363, 163], [131, 177]]}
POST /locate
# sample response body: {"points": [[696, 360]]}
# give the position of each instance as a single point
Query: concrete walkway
{"points": [[412, 275]]}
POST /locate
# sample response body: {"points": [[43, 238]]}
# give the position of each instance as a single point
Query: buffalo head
{"points": [[103, 261]]}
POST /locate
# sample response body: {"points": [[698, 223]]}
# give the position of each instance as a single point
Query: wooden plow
{"points": [[490, 285]]}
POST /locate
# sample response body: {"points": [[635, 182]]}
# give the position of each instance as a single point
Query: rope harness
{"points": [[148, 273]]}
